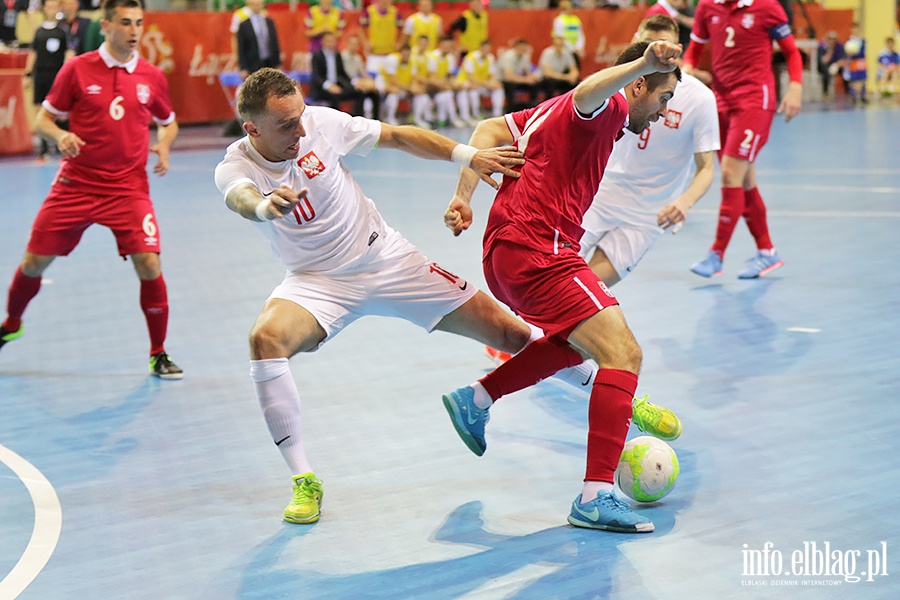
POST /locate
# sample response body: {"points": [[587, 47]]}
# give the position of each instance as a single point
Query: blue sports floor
{"points": [[787, 388]]}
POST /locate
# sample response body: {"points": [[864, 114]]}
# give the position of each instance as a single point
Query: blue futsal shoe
{"points": [[761, 264], [709, 266], [607, 512], [468, 419]]}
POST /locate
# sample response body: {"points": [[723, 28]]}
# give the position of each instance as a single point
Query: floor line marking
{"points": [[47, 524]]}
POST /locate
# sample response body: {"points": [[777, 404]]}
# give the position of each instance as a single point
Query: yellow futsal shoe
{"points": [[658, 421], [307, 500]]}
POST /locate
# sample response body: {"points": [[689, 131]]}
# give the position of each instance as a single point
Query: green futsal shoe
{"points": [[657, 421]]}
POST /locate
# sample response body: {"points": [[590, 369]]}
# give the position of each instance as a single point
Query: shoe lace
{"points": [[646, 413], [306, 488], [612, 501]]}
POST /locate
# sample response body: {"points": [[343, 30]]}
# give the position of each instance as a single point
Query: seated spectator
{"points": [[398, 73], [355, 67], [518, 77], [854, 63], [559, 73], [830, 53], [443, 63], [478, 75], [330, 84], [888, 64]]}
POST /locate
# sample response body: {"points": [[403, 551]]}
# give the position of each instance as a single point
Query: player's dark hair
{"points": [[659, 23], [636, 51], [259, 87], [110, 6]]}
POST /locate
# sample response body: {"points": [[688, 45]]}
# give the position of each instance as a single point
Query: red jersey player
{"points": [[109, 95], [531, 261], [740, 34]]}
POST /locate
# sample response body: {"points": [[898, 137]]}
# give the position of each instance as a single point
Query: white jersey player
{"points": [[648, 184], [343, 260]]}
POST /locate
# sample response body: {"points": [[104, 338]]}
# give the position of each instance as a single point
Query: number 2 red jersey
{"points": [[740, 35], [109, 105], [565, 156]]}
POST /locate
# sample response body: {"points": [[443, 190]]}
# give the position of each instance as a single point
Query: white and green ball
{"points": [[648, 469]]}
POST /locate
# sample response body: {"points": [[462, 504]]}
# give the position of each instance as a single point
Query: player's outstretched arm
{"points": [[591, 93], [488, 134], [674, 214], [165, 136], [246, 200], [430, 145]]}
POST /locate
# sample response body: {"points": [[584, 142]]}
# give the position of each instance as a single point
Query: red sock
{"points": [[609, 417], [22, 289], [755, 215], [155, 304], [540, 359], [729, 214]]}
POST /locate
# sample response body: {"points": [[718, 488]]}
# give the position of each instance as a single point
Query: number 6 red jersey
{"points": [[110, 106], [740, 35]]}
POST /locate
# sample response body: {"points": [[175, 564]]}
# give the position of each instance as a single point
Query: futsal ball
{"points": [[648, 469], [852, 47]]}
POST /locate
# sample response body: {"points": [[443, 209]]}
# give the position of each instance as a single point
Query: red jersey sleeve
{"points": [[700, 31], [65, 90], [161, 106]]}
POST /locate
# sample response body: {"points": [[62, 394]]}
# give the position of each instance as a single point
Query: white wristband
{"points": [[463, 154], [261, 209]]}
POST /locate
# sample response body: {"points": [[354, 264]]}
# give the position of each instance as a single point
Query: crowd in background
{"points": [[430, 72]]}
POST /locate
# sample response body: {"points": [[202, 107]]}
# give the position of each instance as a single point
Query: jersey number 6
{"points": [[116, 110]]}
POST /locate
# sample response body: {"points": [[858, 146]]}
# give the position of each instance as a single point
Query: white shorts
{"points": [[622, 236], [401, 282]]}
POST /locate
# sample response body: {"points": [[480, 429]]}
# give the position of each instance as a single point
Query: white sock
{"points": [[591, 488], [580, 376], [475, 103], [391, 102], [462, 101], [280, 404], [497, 99], [420, 107], [482, 398]]}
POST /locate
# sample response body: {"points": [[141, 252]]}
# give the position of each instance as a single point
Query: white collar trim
{"points": [[111, 62]]}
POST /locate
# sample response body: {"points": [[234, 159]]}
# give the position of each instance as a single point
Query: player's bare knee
{"points": [[266, 341], [34, 265]]}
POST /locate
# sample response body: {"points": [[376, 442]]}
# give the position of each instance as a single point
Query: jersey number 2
{"points": [[729, 41]]}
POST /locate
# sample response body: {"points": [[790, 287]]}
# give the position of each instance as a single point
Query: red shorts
{"points": [[744, 131], [68, 212], [555, 292]]}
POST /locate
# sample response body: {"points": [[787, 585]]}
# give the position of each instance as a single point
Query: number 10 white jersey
{"points": [[336, 228]]}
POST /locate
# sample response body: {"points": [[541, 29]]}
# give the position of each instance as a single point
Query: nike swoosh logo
{"points": [[278, 443], [592, 516], [464, 286], [470, 419], [588, 380]]}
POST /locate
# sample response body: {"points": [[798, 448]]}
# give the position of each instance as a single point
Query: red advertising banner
{"points": [[14, 130], [192, 48]]}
